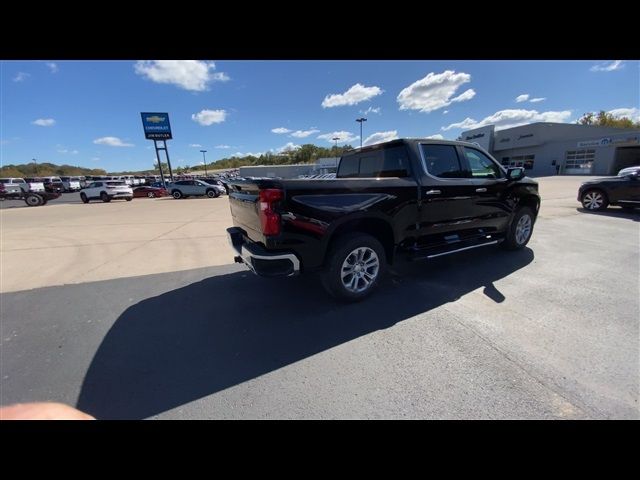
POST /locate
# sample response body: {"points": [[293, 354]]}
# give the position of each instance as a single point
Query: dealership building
{"points": [[560, 148]]}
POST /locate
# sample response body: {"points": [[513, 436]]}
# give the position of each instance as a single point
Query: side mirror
{"points": [[515, 173], [634, 175]]}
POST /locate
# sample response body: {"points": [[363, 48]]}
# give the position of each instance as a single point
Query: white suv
{"points": [[106, 191]]}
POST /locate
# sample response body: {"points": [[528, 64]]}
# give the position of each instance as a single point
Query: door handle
{"points": [[481, 190], [433, 192]]}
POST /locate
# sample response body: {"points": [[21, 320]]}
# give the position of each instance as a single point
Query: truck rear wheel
{"points": [[355, 264]]}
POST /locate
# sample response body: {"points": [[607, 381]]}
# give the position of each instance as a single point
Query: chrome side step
{"points": [[462, 249]]}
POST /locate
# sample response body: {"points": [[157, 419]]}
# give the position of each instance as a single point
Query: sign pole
{"points": [[155, 144], [166, 152], [157, 127]]}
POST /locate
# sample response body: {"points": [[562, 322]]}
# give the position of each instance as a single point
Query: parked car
{"points": [[188, 188], [106, 191], [150, 192], [71, 184], [623, 190], [218, 182], [406, 199], [628, 170], [14, 185], [50, 184], [25, 184]]}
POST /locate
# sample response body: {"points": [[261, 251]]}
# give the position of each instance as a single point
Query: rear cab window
{"points": [[392, 162]]}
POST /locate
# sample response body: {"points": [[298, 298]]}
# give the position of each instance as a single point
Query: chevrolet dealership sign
{"points": [[156, 126]]}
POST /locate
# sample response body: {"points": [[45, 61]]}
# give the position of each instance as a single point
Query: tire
{"points": [[151, 195], [33, 200], [594, 200], [128, 199], [104, 197], [212, 193], [520, 229], [351, 251], [84, 198], [177, 194]]}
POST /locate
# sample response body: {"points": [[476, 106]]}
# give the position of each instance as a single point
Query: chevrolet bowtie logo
{"points": [[155, 119]]}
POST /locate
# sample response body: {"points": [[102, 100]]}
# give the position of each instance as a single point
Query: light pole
{"points": [[205, 162], [360, 120], [336, 140]]}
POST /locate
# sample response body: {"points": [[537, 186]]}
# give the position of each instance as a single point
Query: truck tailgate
{"points": [[243, 200]]}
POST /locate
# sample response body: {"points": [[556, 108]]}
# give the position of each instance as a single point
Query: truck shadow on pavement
{"points": [[191, 342]]}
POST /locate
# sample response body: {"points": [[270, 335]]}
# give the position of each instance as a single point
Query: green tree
{"points": [[605, 119]]}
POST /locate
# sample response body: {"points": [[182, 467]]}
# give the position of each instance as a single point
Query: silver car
{"points": [[195, 188]]}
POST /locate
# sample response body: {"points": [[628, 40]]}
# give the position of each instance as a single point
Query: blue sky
{"points": [[88, 112]]}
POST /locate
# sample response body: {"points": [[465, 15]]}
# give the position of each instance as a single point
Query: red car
{"points": [[150, 192]]}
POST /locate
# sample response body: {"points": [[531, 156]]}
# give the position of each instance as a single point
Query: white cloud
{"points": [[437, 136], [63, 149], [111, 142], [343, 137], [607, 66], [21, 76], [224, 146], [512, 118], [44, 122], [53, 67], [538, 99], [464, 96], [303, 133], [445, 112], [288, 147], [209, 117], [356, 94], [632, 113], [280, 130], [370, 110], [435, 91], [522, 98], [252, 154], [195, 145], [380, 137], [193, 75]]}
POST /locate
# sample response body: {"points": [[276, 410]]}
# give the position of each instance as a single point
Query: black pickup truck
{"points": [[399, 200]]}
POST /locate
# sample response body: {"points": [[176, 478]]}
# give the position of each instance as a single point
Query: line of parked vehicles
{"points": [[37, 191]]}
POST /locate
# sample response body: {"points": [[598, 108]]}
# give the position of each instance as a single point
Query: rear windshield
{"points": [[116, 184]]}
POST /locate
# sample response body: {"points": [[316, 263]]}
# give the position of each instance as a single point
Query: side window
{"points": [[442, 161], [97, 184], [481, 165]]}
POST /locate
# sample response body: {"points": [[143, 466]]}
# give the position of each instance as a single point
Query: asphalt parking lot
{"points": [[134, 310]]}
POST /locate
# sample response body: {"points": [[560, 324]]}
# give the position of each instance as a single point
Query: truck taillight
{"points": [[269, 219]]}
